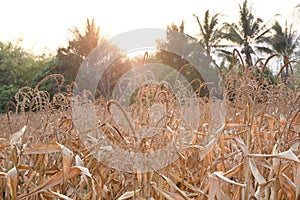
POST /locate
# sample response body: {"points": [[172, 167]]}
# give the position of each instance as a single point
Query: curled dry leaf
{"points": [[214, 188], [241, 144], [221, 176], [46, 148], [288, 155], [67, 156], [234, 125], [12, 182], [17, 136], [173, 185], [57, 179], [78, 161], [55, 195], [166, 194], [128, 194], [233, 170], [53, 147], [257, 175], [188, 185]]}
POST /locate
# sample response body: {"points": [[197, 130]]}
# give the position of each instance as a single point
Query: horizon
{"points": [[45, 26]]}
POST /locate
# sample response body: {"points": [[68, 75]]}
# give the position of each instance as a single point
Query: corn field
{"points": [[255, 154]]}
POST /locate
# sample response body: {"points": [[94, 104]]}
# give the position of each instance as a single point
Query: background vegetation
{"points": [[250, 35]]}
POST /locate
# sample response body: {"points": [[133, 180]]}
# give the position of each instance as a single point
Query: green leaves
{"points": [[17, 68]]}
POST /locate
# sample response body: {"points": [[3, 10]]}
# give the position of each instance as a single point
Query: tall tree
{"points": [[210, 34], [285, 42], [71, 57], [248, 33], [184, 54]]}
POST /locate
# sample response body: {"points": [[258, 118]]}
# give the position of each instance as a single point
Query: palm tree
{"points": [[210, 35], [285, 42], [248, 33], [70, 58], [83, 44]]}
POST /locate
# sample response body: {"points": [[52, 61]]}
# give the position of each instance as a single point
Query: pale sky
{"points": [[44, 24]]}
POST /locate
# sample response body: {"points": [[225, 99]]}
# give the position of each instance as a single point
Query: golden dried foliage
{"points": [[255, 155]]}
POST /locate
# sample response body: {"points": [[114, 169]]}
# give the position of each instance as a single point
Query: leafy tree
{"points": [[16, 65], [48, 66], [17, 69], [285, 42], [183, 53], [178, 41], [70, 58], [173, 41], [248, 33]]}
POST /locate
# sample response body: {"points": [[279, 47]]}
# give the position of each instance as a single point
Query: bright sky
{"points": [[44, 24]]}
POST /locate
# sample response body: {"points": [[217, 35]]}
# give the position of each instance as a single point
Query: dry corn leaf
{"points": [[258, 193], [241, 144], [54, 195], [17, 136], [84, 170], [128, 194], [210, 146], [288, 155], [233, 170], [221, 176], [276, 163], [12, 182], [290, 183], [234, 125], [78, 161], [188, 185], [173, 185], [166, 194], [67, 156], [268, 116], [88, 196], [56, 179], [214, 188], [50, 147], [257, 175], [29, 180]]}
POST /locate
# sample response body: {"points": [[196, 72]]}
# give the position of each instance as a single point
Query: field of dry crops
{"points": [[255, 155]]}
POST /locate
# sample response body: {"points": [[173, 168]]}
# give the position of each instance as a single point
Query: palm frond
{"points": [[232, 34], [263, 49]]}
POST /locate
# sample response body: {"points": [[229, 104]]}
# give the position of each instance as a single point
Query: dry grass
{"points": [[255, 156]]}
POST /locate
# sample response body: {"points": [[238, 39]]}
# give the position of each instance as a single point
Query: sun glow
{"points": [[45, 25]]}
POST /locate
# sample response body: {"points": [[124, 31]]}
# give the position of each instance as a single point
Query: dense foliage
{"points": [[17, 69]]}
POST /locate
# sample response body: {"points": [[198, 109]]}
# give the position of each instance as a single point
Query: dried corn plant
{"points": [[254, 156]]}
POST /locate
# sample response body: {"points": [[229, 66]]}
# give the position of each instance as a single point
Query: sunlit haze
{"points": [[44, 25]]}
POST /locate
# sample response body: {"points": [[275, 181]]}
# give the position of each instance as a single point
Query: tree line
{"points": [[250, 34]]}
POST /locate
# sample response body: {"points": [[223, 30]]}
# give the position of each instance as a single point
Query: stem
{"points": [[124, 113]]}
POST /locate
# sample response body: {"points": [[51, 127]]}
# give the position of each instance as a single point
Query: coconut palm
{"points": [[210, 34], [285, 42], [248, 33]]}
